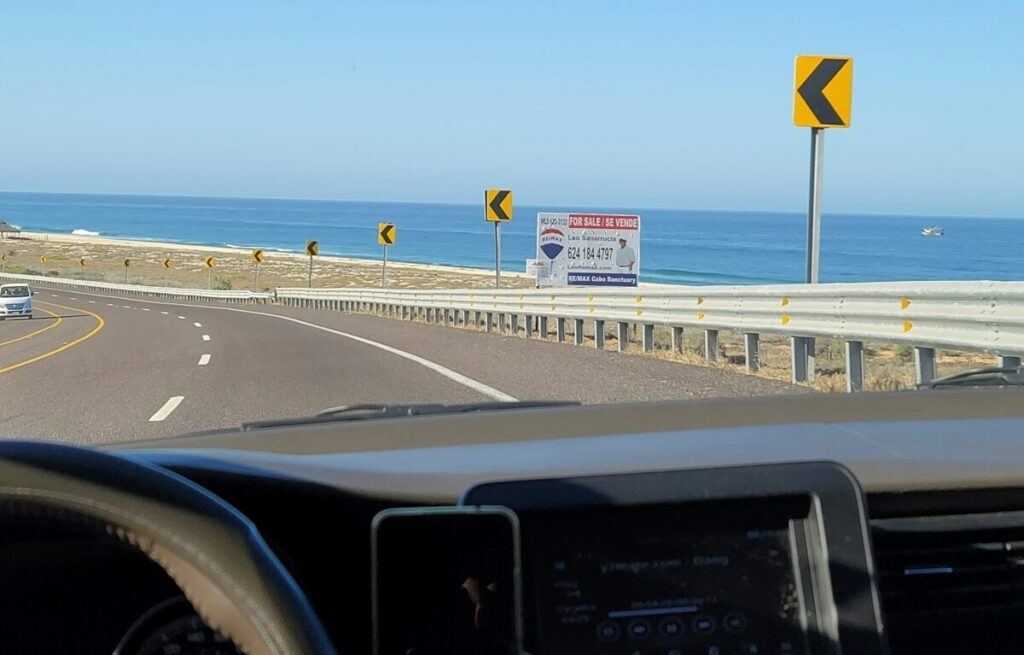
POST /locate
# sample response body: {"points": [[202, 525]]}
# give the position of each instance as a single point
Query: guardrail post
{"points": [[623, 336], [750, 343], [543, 327], [711, 345], [801, 359], [577, 331], [1009, 361], [476, 318], [854, 366], [599, 334], [514, 319], [648, 337], [924, 364], [501, 322], [560, 330], [677, 339], [529, 326], [490, 321]]}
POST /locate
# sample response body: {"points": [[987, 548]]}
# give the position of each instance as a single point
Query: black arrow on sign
{"points": [[495, 205], [386, 233], [812, 91]]}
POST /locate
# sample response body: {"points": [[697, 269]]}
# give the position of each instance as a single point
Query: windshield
{"points": [[13, 292], [251, 216]]}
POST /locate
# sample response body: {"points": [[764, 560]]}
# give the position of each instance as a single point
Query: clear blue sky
{"points": [[626, 104]]}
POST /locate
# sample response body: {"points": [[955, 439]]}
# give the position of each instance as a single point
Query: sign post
{"points": [[822, 98], [497, 210], [81, 266], [386, 236], [312, 250], [127, 263], [167, 266], [209, 262], [3, 262], [257, 259]]}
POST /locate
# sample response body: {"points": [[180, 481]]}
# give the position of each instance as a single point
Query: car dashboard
{"points": [[704, 539]]}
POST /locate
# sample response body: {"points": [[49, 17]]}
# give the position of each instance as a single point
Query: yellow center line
{"points": [[39, 331], [99, 326]]}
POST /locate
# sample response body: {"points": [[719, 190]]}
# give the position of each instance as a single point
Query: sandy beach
{"points": [[233, 267]]}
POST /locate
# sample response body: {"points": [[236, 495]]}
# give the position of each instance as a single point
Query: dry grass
{"points": [[233, 270]]}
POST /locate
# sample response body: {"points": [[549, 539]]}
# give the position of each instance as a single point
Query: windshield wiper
{"points": [[991, 376], [382, 410]]}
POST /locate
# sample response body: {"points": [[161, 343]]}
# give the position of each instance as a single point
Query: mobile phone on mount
{"points": [[446, 580]]}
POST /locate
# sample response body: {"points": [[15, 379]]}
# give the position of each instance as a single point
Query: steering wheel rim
{"points": [[213, 553]]}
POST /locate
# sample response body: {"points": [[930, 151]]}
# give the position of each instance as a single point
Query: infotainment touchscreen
{"points": [[667, 579]]}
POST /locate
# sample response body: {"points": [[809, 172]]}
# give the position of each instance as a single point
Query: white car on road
{"points": [[15, 300]]}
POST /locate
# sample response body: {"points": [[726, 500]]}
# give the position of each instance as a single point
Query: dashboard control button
{"points": [[608, 631], [734, 622], [639, 629], [671, 627], [704, 625]]}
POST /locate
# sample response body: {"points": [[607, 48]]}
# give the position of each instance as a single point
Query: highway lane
{"points": [[196, 366], [50, 331]]}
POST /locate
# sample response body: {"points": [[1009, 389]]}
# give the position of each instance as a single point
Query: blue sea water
{"points": [[677, 246]]}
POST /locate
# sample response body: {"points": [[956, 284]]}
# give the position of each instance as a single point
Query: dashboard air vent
{"points": [[948, 581]]}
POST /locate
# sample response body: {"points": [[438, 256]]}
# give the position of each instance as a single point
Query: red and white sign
{"points": [[589, 249]]}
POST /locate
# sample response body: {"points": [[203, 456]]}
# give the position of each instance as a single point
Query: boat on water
{"points": [[933, 231]]}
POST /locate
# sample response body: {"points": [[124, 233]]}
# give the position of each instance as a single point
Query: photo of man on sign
{"points": [[625, 258]]}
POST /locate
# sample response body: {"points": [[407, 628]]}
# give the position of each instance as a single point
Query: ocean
{"points": [[677, 246]]}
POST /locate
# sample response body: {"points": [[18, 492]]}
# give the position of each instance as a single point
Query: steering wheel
{"points": [[213, 553]]}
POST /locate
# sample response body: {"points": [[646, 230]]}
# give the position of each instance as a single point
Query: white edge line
{"points": [[479, 387], [204, 359], [169, 406]]}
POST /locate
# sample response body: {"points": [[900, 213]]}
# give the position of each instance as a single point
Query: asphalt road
{"points": [[95, 368]]}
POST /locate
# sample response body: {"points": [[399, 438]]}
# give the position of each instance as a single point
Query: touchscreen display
{"points": [[666, 579], [445, 584]]}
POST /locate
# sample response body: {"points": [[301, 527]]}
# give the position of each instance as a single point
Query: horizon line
{"points": [[466, 204]]}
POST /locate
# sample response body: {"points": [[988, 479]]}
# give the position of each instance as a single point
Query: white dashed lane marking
{"points": [[206, 337], [204, 359], [169, 406], [198, 324]]}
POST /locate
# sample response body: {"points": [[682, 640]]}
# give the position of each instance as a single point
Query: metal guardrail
{"points": [[972, 316], [226, 295]]}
